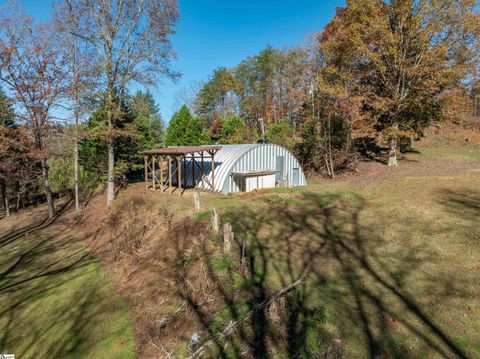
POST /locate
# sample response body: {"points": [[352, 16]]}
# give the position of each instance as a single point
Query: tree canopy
{"points": [[185, 129], [394, 58]]}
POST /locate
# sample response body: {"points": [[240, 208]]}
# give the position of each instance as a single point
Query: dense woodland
{"points": [[375, 77]]}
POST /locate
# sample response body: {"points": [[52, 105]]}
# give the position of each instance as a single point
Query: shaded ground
{"points": [[388, 260], [55, 302]]}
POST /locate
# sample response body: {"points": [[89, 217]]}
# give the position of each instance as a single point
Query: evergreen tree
{"points": [[185, 130], [6, 110], [148, 119], [128, 141]]}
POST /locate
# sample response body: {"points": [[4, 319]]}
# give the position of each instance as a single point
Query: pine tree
{"points": [[6, 110], [148, 119], [185, 130]]}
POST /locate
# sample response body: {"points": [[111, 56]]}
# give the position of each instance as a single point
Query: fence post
{"points": [[198, 204], [215, 221], [228, 237]]}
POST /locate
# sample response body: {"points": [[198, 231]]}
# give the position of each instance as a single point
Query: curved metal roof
{"points": [[225, 159], [230, 157]]}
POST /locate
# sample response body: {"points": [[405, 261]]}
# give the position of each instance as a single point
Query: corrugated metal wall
{"points": [[244, 158]]}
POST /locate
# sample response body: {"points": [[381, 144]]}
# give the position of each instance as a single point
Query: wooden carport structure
{"points": [[168, 163]]}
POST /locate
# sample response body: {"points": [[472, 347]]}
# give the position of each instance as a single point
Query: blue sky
{"points": [[218, 33]]}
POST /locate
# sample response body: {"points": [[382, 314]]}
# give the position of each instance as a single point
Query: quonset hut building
{"points": [[225, 168]]}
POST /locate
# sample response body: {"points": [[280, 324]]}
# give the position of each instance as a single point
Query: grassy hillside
{"points": [[388, 259]]}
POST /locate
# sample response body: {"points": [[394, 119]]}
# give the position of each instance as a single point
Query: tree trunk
{"points": [[4, 197], [75, 113], [77, 174], [392, 152], [48, 191], [111, 179], [17, 204]]}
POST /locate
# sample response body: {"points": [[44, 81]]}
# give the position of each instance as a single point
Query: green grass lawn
{"points": [[393, 262], [391, 265], [55, 301]]}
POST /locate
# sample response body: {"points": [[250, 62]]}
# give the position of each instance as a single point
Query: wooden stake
{"points": [[215, 221], [196, 197], [228, 237]]}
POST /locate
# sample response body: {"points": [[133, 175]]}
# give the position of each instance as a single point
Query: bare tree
{"points": [[82, 83], [33, 67], [130, 38]]}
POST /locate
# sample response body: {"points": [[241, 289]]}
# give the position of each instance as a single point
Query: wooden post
{"points": [[193, 170], [215, 221], [213, 170], [153, 172], [196, 197], [185, 177], [179, 174], [243, 257], [161, 173], [203, 172], [169, 172], [145, 160], [228, 237]]}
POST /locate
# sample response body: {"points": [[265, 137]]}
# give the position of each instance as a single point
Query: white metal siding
{"points": [[259, 182], [245, 158]]}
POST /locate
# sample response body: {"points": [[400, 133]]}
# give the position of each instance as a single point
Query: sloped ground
{"points": [[55, 301], [388, 260]]}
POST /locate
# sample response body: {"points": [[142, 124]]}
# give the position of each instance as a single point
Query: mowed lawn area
{"points": [[55, 301], [394, 253], [391, 257]]}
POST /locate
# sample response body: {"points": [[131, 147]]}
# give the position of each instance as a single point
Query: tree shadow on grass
{"points": [[351, 278], [49, 305], [38, 225], [462, 203]]}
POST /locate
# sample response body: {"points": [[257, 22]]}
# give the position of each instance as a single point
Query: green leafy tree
{"points": [[281, 133], [256, 84], [230, 129], [308, 148], [184, 130], [218, 98]]}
